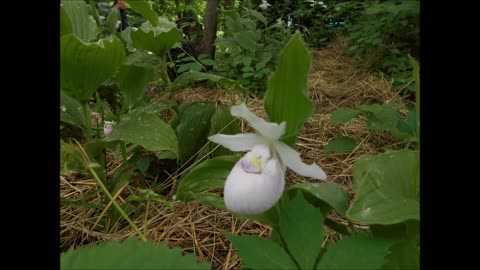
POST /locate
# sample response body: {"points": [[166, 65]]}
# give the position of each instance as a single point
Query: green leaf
{"points": [[286, 98], [143, 7], [143, 59], [209, 199], [143, 164], [301, 225], [223, 122], [194, 126], [190, 77], [356, 252], [340, 145], [152, 107], [207, 176], [70, 158], [83, 26], [132, 81], [343, 115], [72, 112], [247, 40], [158, 39], [403, 255], [259, 253], [65, 24], [330, 194], [207, 62], [146, 130], [85, 66], [126, 36], [111, 21], [373, 108], [129, 254], [258, 16], [92, 10], [386, 193], [386, 119], [190, 66]]}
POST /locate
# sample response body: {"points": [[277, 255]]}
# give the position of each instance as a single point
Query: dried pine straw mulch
{"points": [[334, 82]]}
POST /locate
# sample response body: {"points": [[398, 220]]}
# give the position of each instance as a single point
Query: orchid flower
{"points": [[108, 127], [257, 180], [264, 5]]}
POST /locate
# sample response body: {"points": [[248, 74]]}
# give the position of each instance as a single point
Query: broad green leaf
{"points": [[301, 225], [344, 115], [158, 39], [386, 119], [403, 255], [83, 25], [85, 66], [132, 81], [386, 193], [331, 194], [146, 130], [406, 130], [247, 40], [111, 21], [143, 59], [152, 107], [286, 98], [126, 37], [65, 24], [223, 122], [356, 252], [129, 254], [191, 77], [340, 145], [259, 253], [194, 127], [209, 199], [72, 111], [143, 7], [207, 176]]}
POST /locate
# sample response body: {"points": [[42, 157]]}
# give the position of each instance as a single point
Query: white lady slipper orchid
{"points": [[264, 5], [257, 181]]}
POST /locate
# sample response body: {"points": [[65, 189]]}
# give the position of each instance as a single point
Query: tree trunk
{"points": [[211, 15]]}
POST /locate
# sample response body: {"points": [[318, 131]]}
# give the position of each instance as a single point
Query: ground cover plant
{"points": [[202, 170]]}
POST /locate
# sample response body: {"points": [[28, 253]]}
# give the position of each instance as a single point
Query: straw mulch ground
{"points": [[334, 82]]}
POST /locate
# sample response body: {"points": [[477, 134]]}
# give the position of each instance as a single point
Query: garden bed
{"points": [[334, 82]]}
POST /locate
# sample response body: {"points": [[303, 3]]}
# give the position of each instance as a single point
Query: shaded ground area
{"points": [[334, 82]]}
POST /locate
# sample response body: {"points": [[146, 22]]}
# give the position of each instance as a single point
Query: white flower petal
{"points": [[252, 193], [238, 142], [292, 160], [270, 130]]}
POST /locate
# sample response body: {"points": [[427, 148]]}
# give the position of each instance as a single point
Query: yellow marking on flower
{"points": [[256, 162]]}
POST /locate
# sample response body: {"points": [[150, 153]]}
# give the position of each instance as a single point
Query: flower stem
{"points": [[88, 165], [105, 190], [146, 218]]}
